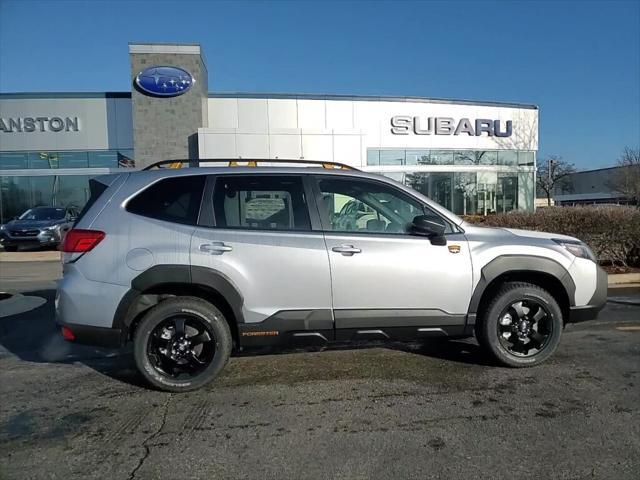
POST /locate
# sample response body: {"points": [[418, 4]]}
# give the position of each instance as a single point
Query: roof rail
{"points": [[234, 162]]}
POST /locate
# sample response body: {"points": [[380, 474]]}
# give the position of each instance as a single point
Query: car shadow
{"points": [[33, 336]]}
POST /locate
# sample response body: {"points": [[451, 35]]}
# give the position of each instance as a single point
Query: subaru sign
{"points": [[404, 125], [164, 81]]}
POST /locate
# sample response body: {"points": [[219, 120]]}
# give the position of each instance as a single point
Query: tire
{"points": [[11, 248], [516, 340], [158, 334]]}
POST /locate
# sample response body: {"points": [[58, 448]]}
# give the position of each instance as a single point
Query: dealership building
{"points": [[471, 157]]}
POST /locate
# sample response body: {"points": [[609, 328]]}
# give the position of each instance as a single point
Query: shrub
{"points": [[612, 232]]}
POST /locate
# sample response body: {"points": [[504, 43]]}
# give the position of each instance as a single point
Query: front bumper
{"points": [[44, 238], [598, 300]]}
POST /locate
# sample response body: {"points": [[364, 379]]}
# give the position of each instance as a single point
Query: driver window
{"points": [[366, 207]]}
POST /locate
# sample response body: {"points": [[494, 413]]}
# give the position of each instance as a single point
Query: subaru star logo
{"points": [[164, 81]]}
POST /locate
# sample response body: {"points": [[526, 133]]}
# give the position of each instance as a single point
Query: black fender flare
{"points": [[504, 264], [132, 303]]}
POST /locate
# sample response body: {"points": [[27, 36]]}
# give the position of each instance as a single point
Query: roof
{"points": [[301, 96], [370, 98]]}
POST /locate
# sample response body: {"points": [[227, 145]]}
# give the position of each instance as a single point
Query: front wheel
{"points": [[522, 325], [181, 344]]}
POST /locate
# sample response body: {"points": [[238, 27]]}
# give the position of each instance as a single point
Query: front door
{"points": [[382, 276], [261, 240]]}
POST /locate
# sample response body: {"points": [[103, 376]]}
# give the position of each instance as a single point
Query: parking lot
{"points": [[434, 410]]}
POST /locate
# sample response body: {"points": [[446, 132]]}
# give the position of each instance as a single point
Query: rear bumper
{"points": [[95, 336], [598, 300], [87, 308]]}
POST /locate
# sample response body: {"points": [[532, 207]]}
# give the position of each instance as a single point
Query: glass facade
{"points": [[75, 159], [21, 192], [449, 157], [475, 190]]}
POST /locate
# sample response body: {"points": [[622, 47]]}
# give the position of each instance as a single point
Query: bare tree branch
{"points": [[553, 172], [626, 179]]}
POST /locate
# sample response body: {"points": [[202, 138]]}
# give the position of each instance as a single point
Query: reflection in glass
{"points": [[507, 157], [373, 157], [16, 196], [526, 158], [73, 190], [108, 159], [43, 160], [391, 157], [73, 160], [11, 160], [475, 157]]}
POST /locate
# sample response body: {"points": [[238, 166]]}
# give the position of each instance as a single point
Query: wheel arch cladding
{"points": [[154, 284], [541, 271]]}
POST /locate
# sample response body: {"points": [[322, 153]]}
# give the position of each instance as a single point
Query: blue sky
{"points": [[578, 61]]}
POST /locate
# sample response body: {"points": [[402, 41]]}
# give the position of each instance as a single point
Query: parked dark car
{"points": [[37, 227]]}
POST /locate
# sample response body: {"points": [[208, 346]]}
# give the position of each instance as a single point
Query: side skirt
{"points": [[316, 327]]}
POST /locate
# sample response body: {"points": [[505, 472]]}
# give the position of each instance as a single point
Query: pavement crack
{"points": [[152, 436]]}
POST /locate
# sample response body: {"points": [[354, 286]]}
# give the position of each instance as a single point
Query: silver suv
{"points": [[192, 263]]}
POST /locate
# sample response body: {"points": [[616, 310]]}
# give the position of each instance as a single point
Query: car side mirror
{"points": [[430, 227]]}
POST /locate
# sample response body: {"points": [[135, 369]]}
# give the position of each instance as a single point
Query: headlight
{"points": [[53, 228], [2, 228], [578, 249]]}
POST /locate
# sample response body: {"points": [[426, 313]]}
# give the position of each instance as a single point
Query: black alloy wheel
{"points": [[521, 326], [181, 346], [524, 327], [182, 343]]}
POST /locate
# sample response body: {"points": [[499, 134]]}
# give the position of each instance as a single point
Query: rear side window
{"points": [[96, 189], [174, 199], [261, 202]]}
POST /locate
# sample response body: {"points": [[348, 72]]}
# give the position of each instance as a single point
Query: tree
{"points": [[553, 172], [626, 179]]}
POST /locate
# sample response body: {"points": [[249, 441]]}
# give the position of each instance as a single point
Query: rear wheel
{"points": [[182, 344], [522, 325]]}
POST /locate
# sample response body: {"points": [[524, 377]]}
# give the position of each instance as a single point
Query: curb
{"points": [[619, 301], [623, 278], [48, 256]]}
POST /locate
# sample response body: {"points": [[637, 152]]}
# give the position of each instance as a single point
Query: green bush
{"points": [[612, 232]]}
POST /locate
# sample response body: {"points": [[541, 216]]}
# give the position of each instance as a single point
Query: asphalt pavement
{"points": [[434, 410]]}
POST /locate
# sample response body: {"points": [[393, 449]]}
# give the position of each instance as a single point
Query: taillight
{"points": [[78, 240], [67, 334]]}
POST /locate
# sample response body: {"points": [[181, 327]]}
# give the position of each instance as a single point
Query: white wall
{"points": [[342, 130], [104, 123]]}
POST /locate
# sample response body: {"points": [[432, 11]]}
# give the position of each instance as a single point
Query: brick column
{"points": [[166, 128]]}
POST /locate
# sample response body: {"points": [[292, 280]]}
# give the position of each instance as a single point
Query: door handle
{"points": [[346, 250], [217, 248]]}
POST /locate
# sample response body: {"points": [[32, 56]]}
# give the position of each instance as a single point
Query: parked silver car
{"points": [[37, 227], [190, 263]]}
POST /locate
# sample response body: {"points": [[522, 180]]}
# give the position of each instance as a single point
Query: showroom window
{"points": [[68, 159], [387, 157]]}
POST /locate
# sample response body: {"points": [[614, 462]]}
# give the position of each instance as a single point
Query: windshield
{"points": [[43, 213]]}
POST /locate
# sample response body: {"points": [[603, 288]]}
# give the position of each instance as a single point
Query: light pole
{"points": [[549, 168]]}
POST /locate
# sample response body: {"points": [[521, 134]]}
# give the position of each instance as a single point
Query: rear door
{"points": [[257, 231], [383, 277]]}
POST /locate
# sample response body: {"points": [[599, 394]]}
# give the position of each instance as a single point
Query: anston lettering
{"points": [[39, 124], [404, 125]]}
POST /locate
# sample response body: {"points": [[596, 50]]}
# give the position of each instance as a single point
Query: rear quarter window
{"points": [[174, 200]]}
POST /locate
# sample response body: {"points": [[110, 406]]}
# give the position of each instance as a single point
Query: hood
{"points": [[26, 224], [498, 232], [535, 234]]}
